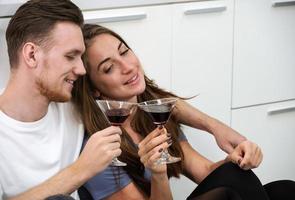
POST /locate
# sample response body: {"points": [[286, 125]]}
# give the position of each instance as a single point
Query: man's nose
{"points": [[80, 69]]}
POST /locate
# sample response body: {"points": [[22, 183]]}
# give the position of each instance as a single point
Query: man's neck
{"points": [[21, 102]]}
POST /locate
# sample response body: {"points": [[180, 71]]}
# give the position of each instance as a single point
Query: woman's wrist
{"points": [[162, 176]]}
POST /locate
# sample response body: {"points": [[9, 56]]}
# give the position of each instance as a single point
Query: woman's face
{"points": [[114, 69]]}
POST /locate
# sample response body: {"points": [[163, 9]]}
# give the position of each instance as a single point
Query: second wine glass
{"points": [[160, 111], [116, 112]]}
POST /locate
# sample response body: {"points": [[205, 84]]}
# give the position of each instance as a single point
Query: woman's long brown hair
{"points": [[94, 119]]}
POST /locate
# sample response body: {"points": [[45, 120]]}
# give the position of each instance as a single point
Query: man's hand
{"points": [[100, 149], [247, 155]]}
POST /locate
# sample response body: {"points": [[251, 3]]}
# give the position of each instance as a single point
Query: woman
{"points": [[114, 72]]}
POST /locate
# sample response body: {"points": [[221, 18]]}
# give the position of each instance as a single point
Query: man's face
{"points": [[60, 64]]}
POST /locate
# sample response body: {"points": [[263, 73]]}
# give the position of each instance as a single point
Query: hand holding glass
{"points": [[160, 110], [116, 112]]}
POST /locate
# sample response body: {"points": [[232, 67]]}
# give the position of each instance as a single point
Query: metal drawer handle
{"points": [[116, 18], [205, 9], [280, 109], [279, 3]]}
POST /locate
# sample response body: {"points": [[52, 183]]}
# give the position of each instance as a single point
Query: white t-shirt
{"points": [[30, 153]]}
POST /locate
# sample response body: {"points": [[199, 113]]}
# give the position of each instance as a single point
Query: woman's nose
{"points": [[126, 67]]}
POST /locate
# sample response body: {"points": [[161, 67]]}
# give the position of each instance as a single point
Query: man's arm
{"points": [[65, 182], [226, 138], [97, 154]]}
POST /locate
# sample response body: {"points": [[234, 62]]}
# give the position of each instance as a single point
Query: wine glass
{"points": [[160, 111], [116, 112]]}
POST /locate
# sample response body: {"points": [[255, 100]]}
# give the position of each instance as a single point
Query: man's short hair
{"points": [[34, 21]]}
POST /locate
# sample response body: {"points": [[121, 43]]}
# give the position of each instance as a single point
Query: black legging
{"points": [[229, 182]]}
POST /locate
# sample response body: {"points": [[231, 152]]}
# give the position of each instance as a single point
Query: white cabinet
{"points": [[264, 84], [202, 55], [8, 7], [147, 30], [201, 64], [264, 47], [106, 4], [4, 66], [272, 127]]}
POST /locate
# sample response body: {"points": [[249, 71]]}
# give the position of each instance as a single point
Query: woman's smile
{"points": [[133, 81]]}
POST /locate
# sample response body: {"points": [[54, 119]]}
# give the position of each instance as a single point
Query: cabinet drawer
{"points": [[264, 46], [272, 127]]}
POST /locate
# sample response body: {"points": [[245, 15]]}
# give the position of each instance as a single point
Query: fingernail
{"points": [[160, 150], [169, 141]]}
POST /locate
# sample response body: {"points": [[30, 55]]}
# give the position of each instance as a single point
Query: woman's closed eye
{"points": [[107, 69]]}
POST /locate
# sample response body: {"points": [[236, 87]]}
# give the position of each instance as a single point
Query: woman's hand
{"points": [[227, 138], [247, 155], [151, 147]]}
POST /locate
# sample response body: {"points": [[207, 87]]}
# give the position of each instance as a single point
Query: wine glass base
{"points": [[166, 158], [117, 163]]}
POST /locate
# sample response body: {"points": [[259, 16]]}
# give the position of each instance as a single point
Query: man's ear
{"points": [[29, 54]]}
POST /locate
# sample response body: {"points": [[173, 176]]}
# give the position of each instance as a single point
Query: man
{"points": [[40, 136]]}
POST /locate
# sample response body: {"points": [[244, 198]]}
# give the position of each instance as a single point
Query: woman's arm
{"points": [[226, 138], [150, 149], [198, 167]]}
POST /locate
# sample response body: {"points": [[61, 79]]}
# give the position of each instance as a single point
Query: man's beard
{"points": [[50, 93]]}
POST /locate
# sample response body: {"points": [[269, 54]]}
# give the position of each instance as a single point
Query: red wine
{"points": [[160, 117], [117, 116]]}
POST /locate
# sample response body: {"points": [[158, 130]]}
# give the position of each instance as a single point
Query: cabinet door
{"points": [[201, 64], [4, 68], [272, 127], [264, 61], [8, 7], [147, 30]]}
